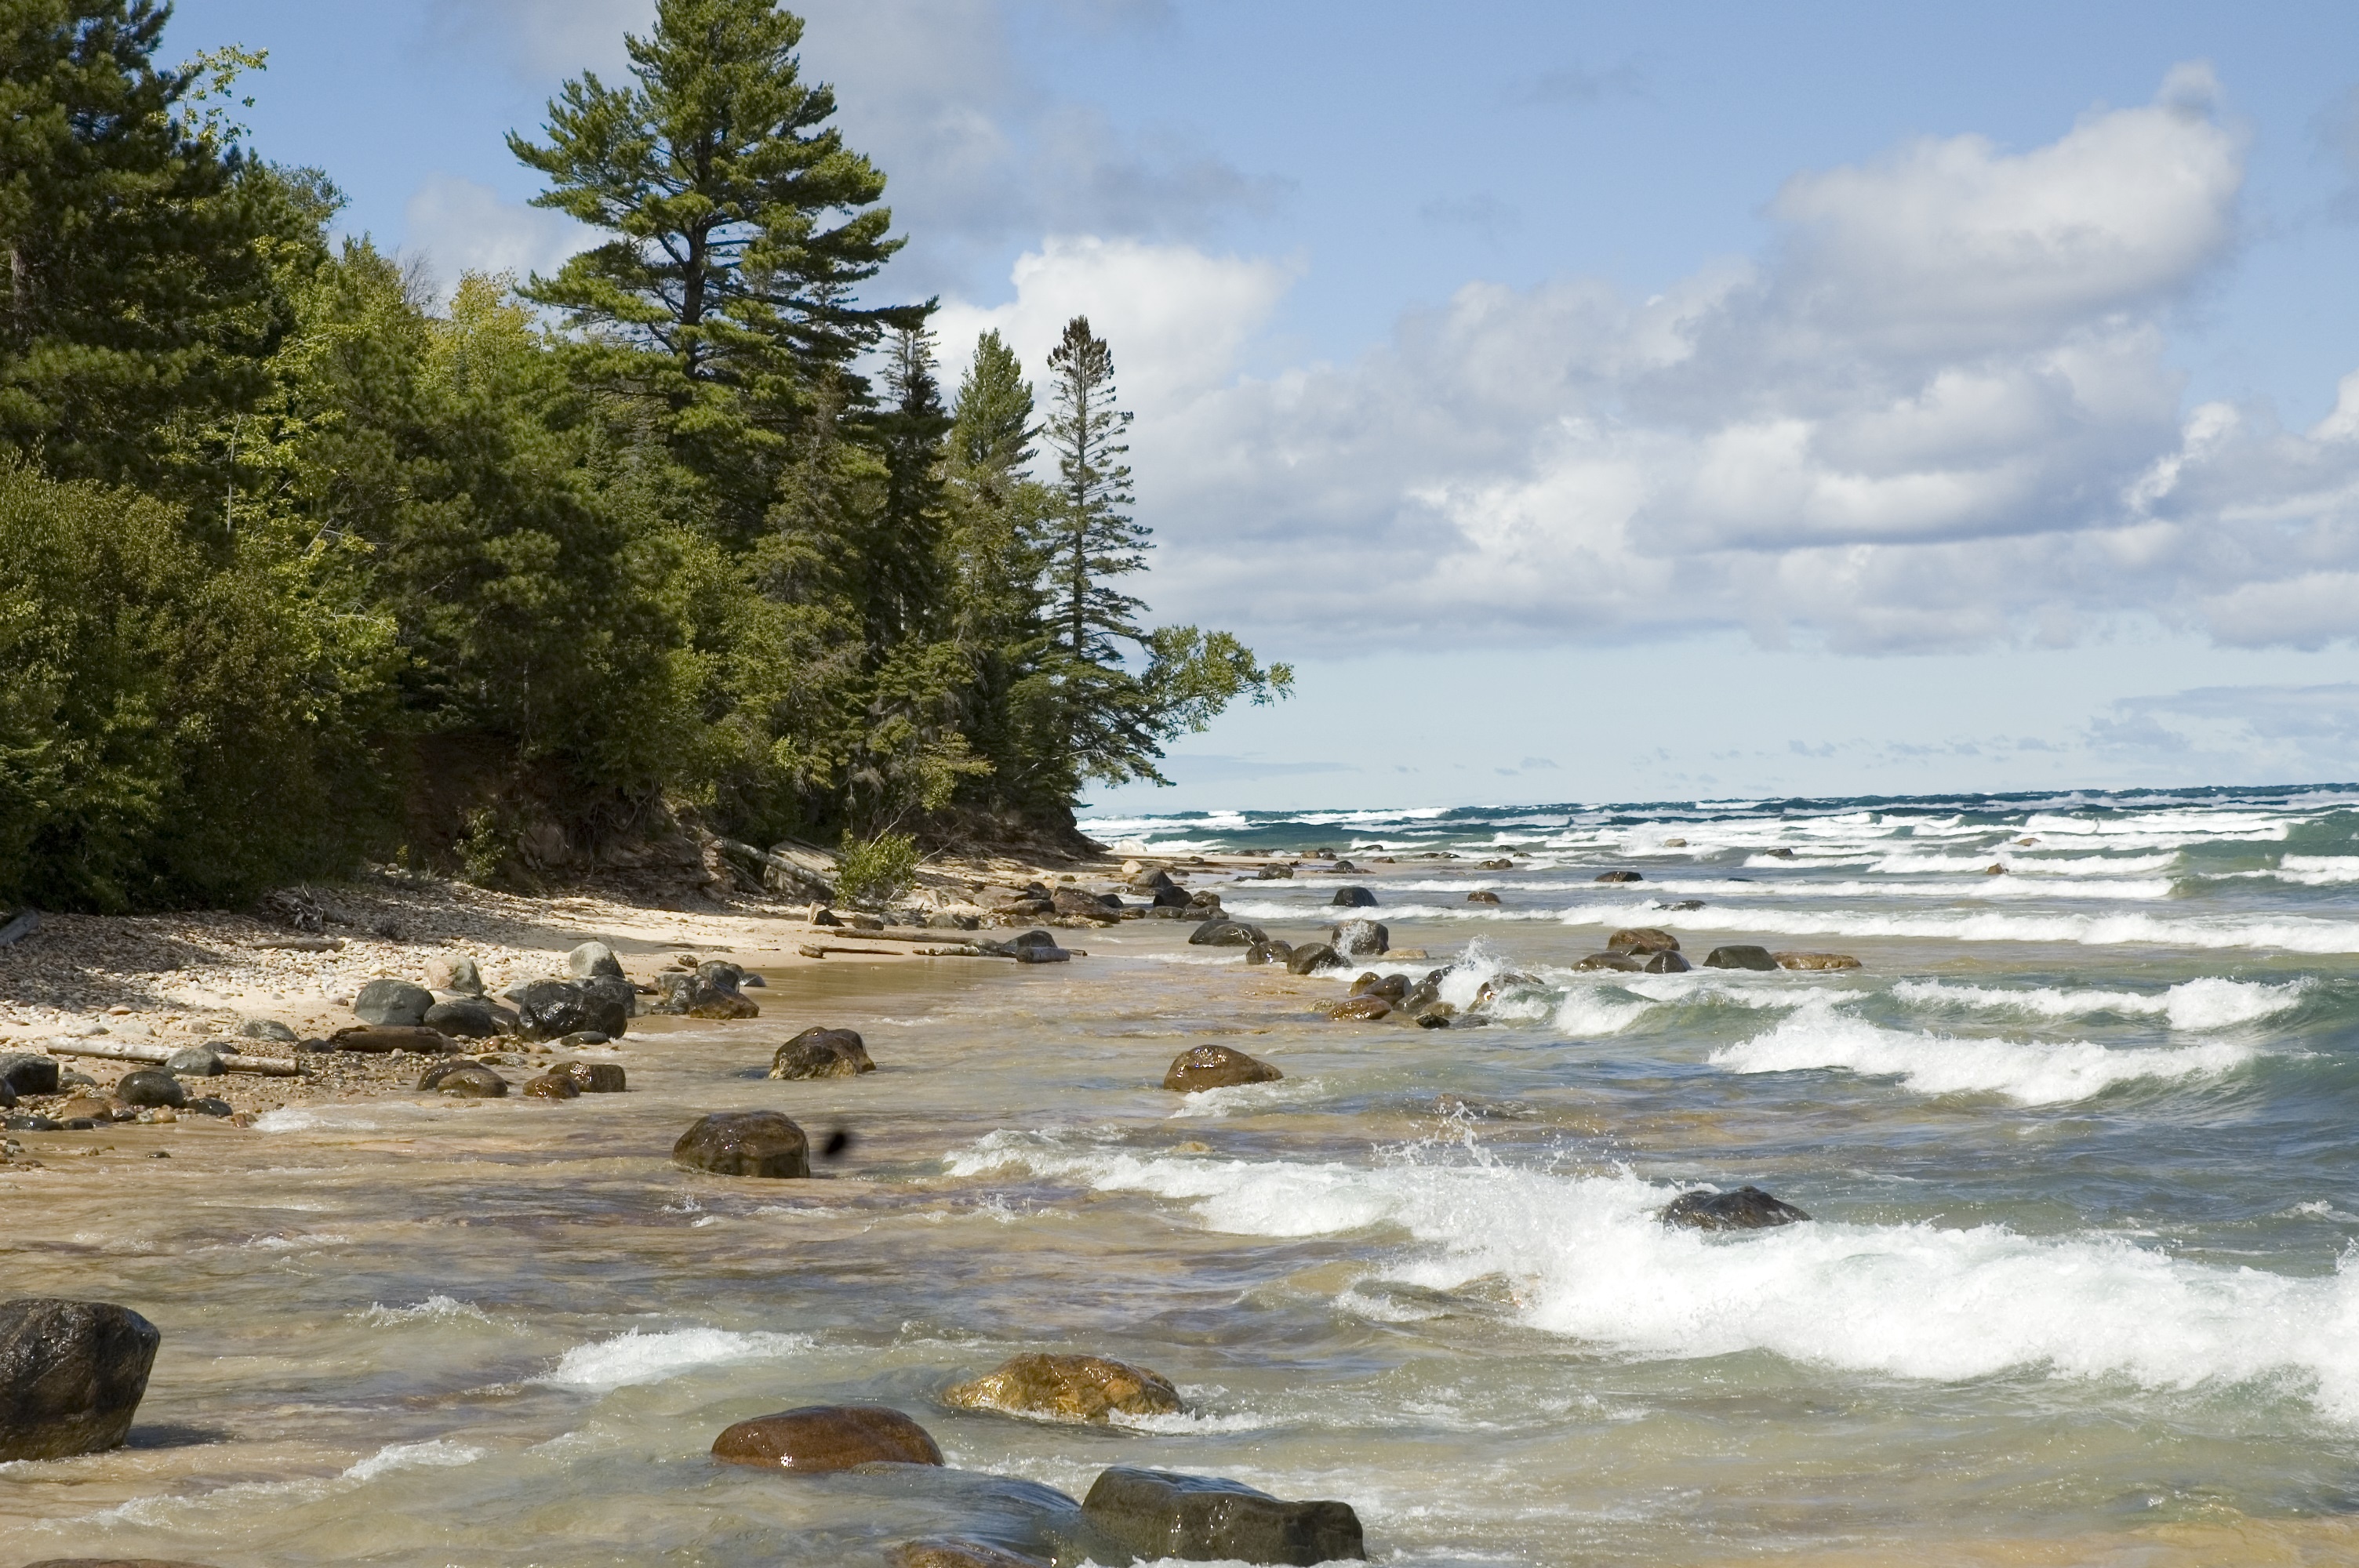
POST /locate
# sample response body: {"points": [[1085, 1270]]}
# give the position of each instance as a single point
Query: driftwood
{"points": [[781, 873], [21, 926], [302, 944], [131, 1051]]}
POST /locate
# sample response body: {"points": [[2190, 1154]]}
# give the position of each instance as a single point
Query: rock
{"points": [[268, 1029], [824, 916], [1172, 897], [1684, 903], [1781, 853], [1216, 1068], [1815, 960], [1358, 1006], [1392, 988], [552, 1009], [471, 1080], [1361, 938], [1675, 843], [594, 1077], [71, 1374], [818, 1439], [1354, 898], [1667, 964], [1620, 877], [823, 1054], [1623, 962], [1275, 871], [7, 1098], [956, 1551], [27, 1074], [1036, 954], [1642, 940], [1080, 904], [1993, 869], [1068, 1387], [148, 1086], [1746, 1208], [1205, 898], [591, 959], [382, 1041], [1152, 880], [581, 1038], [1482, 895], [1158, 1514], [1220, 933], [208, 1106], [710, 992], [468, 1020], [457, 976], [1740, 956], [196, 1062], [1312, 958], [394, 1003], [550, 1085], [1437, 1016], [745, 1143], [1271, 952], [940, 920]]}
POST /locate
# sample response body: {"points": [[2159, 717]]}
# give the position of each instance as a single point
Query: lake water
{"points": [[2078, 1141]]}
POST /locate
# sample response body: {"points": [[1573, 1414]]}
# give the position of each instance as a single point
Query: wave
{"points": [[2207, 1003], [1906, 1301], [434, 1308], [438, 1454], [634, 1357]]}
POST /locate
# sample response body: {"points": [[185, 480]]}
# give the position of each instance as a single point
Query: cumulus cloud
{"points": [[1937, 411], [462, 226]]}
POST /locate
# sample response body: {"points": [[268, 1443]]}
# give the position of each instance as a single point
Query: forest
{"points": [[310, 560]]}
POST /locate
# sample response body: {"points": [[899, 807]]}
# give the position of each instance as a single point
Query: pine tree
{"points": [[1098, 540], [903, 587]]}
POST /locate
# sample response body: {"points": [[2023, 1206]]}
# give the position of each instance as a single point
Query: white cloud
{"points": [[462, 226]]}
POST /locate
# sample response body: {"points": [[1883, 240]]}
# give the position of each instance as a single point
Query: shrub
{"points": [[871, 872]]}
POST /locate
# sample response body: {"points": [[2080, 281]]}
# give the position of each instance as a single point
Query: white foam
{"points": [[634, 1357], [434, 1308], [1584, 1012], [2028, 1072], [2206, 1003], [439, 1454], [2291, 933], [1911, 1300]]}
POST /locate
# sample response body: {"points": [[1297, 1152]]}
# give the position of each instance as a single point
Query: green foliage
{"points": [[873, 873]]}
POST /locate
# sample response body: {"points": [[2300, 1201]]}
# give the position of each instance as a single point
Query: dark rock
{"points": [[1746, 1208], [823, 1054], [1312, 958], [208, 1106], [195, 1062], [1815, 960], [1205, 898], [471, 1080], [1436, 1017], [824, 917], [817, 1439], [28, 1124], [552, 1009], [1173, 896], [745, 1143], [592, 958], [1158, 1514], [7, 1098], [710, 992], [1667, 964], [940, 920], [594, 1077], [394, 1003], [957, 1552], [1620, 877], [1642, 940], [71, 1374], [582, 1037], [1361, 938], [1222, 933], [468, 1020], [1740, 956], [1781, 853], [27, 1074], [1068, 1387], [1276, 871], [1216, 1068], [550, 1085], [1369, 1007], [268, 1029], [1043, 954], [1354, 898], [1392, 988], [1482, 895], [1152, 880], [1623, 962], [1080, 904], [384, 1040], [1496, 865], [1684, 903], [148, 1087], [1272, 952]]}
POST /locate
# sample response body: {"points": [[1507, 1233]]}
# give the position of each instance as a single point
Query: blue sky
{"points": [[1603, 402]]}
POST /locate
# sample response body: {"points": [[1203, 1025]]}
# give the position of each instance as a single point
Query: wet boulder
{"points": [[27, 1074], [1354, 898], [148, 1087], [1158, 1514], [818, 1439], [1216, 1068], [1271, 952], [1364, 1008], [1496, 864], [1068, 1387], [594, 1077], [552, 1009], [1275, 871], [394, 1003], [711, 992], [72, 1375], [745, 1143], [1741, 956], [1361, 938], [823, 1054], [465, 1079], [1222, 933], [1392, 988], [592, 959], [1620, 877], [1313, 959], [1815, 961], [957, 1552], [1172, 896], [384, 1041], [1642, 940], [550, 1085], [1667, 964], [1746, 1208], [1151, 880], [1622, 962], [1483, 895]]}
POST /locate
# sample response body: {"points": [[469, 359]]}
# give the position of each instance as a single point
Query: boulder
{"points": [[208, 1106], [818, 1439], [1156, 1514], [1642, 940], [268, 1029], [940, 920], [384, 1040], [195, 1062], [745, 1143], [1684, 903], [1354, 898], [1623, 962], [552, 1009], [1222, 933], [1271, 952], [393, 1003], [1216, 1068], [454, 975], [592, 958], [1361, 938], [1392, 988], [1620, 877], [1358, 1006], [1739, 956], [1171, 897], [1080, 904], [471, 1080], [27, 1074], [1746, 1208], [1675, 843], [466, 1020], [550, 1085], [1312, 958], [1667, 964], [1496, 865], [1780, 853], [1815, 960], [1205, 898], [823, 1054], [71, 1374], [957, 1552], [1275, 871], [1068, 1387], [1482, 895], [710, 992], [1037, 954], [594, 1077], [1152, 880], [148, 1087]]}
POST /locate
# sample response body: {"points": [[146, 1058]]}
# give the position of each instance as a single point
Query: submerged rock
{"points": [[1482, 895], [1815, 960], [1224, 933], [1271, 952], [1667, 964], [1361, 938], [469, 1080], [594, 1077], [1313, 959], [1746, 1208], [72, 1375], [1622, 962], [745, 1143], [823, 1054], [1354, 898], [1159, 1513], [1367, 1007], [397, 1003], [552, 1009], [1392, 988], [957, 1552], [1620, 877], [550, 1085], [712, 991], [1216, 1068], [1068, 1387], [818, 1439], [1741, 956]]}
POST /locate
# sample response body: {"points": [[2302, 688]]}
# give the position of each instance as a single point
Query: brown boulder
{"points": [[594, 1077], [72, 1375], [1739, 955], [472, 1079], [1068, 1387], [1815, 960], [817, 1439], [823, 1054], [550, 1085], [955, 1552], [379, 1040], [1620, 877], [1620, 961], [1216, 1068], [745, 1143], [1642, 940], [1366, 1006], [1482, 895]]}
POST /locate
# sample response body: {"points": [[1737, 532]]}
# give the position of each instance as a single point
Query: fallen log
{"points": [[19, 927], [301, 944], [132, 1051]]}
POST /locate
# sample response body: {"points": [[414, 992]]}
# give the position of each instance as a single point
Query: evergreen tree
{"points": [[1098, 540], [903, 590]]}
